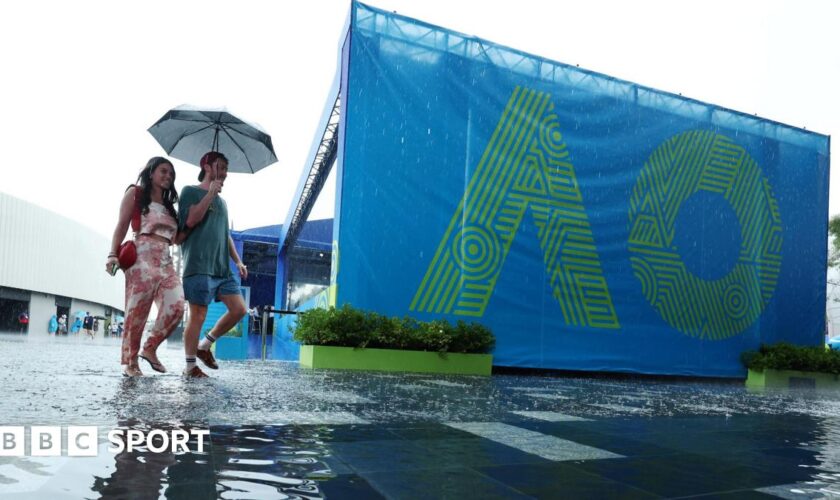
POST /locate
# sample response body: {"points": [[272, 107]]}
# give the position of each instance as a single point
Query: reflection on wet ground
{"points": [[278, 431]]}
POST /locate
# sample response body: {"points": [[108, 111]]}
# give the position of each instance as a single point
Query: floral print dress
{"points": [[152, 279]]}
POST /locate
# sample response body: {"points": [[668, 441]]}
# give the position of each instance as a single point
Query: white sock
{"points": [[190, 363], [206, 342]]}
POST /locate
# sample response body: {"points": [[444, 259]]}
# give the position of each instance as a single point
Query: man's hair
{"points": [[208, 159]]}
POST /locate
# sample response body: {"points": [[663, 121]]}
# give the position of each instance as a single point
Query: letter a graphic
{"points": [[525, 167]]}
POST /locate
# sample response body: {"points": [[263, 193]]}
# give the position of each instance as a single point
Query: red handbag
{"points": [[127, 254]]}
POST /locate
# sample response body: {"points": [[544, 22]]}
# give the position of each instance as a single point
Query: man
{"points": [[87, 325], [207, 252], [23, 320]]}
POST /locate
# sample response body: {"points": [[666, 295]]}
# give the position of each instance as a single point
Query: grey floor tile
{"points": [[559, 480], [542, 445], [436, 484]]}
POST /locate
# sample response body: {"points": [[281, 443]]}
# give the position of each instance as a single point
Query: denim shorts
{"points": [[202, 289]]}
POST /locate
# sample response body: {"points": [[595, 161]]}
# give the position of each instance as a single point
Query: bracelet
{"points": [[112, 255]]}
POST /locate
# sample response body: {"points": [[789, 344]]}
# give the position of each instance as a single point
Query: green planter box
{"points": [[785, 379], [392, 360]]}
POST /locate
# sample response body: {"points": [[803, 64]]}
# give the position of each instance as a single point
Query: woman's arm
{"points": [[124, 220]]}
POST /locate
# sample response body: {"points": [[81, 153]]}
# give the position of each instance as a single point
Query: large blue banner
{"points": [[591, 223]]}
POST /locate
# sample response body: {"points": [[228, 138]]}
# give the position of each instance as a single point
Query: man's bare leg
{"points": [[236, 310], [198, 313]]}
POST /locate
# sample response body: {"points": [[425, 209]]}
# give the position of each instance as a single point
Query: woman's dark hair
{"points": [[144, 180]]}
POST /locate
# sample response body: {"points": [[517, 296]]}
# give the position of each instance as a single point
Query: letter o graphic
{"points": [[686, 164]]}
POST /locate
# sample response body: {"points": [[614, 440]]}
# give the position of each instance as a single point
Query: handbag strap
{"points": [[135, 217]]}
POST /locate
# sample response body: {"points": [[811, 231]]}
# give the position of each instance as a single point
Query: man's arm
{"points": [[185, 201], [199, 210], [243, 269], [181, 236]]}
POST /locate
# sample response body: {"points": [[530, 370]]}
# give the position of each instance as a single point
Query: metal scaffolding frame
{"points": [[319, 170], [421, 41]]}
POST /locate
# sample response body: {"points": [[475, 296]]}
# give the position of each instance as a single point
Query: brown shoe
{"points": [[195, 373], [207, 358]]}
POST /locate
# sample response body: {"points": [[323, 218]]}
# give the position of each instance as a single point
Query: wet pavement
{"points": [[280, 431]]}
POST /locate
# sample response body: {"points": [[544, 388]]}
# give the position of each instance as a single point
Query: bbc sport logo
{"points": [[83, 441]]}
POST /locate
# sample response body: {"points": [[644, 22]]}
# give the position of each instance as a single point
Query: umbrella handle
{"points": [[216, 140]]}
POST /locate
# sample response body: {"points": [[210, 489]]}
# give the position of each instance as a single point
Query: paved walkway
{"points": [[278, 431]]}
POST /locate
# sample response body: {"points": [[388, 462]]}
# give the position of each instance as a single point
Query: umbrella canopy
{"points": [[187, 133]]}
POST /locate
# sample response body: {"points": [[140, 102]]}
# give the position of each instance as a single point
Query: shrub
{"points": [[784, 356], [349, 327]]}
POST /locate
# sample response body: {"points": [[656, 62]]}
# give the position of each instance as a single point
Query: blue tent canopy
{"points": [[316, 234]]}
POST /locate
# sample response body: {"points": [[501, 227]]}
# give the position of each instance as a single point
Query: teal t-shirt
{"points": [[206, 249]]}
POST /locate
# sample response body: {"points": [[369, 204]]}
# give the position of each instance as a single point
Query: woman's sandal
{"points": [[158, 367]]}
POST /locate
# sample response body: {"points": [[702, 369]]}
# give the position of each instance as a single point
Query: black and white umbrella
{"points": [[186, 133]]}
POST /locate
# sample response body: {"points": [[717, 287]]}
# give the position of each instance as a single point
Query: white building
{"points": [[50, 265]]}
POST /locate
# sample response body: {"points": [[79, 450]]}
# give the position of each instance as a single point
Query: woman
{"points": [[152, 278]]}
